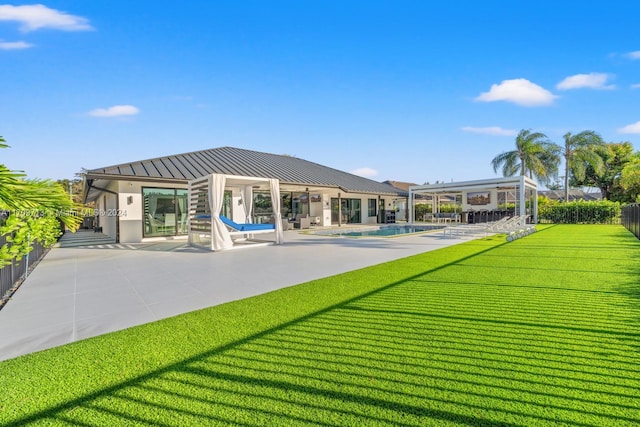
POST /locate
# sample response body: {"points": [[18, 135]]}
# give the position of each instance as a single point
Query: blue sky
{"points": [[413, 91]]}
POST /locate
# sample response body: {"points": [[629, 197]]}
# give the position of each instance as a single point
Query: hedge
{"points": [[580, 212]]}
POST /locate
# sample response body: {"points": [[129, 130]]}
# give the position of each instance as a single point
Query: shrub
{"points": [[580, 212]]}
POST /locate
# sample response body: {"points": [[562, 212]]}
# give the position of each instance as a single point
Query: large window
{"points": [[262, 209], [165, 212], [300, 204], [291, 204], [349, 209]]}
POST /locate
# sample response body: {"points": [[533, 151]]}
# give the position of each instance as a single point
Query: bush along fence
{"points": [[23, 247], [13, 273], [631, 218], [580, 212]]}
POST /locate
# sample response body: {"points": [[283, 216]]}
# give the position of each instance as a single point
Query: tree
{"points": [[579, 151], [35, 209], [73, 188], [630, 179], [534, 156], [615, 157]]}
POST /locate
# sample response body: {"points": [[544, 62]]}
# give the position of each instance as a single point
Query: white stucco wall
{"points": [[105, 211], [130, 198]]}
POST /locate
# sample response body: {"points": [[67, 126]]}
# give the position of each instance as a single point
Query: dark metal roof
{"points": [[236, 161]]}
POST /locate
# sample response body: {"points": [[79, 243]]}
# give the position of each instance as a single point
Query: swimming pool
{"points": [[382, 231]]}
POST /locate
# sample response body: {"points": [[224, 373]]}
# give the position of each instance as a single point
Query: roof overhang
{"points": [[93, 179], [484, 184]]}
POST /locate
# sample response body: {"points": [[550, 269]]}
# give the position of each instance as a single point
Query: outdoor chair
{"points": [[286, 225], [302, 221]]}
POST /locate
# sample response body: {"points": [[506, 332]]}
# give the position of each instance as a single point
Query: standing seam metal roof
{"points": [[237, 161]]}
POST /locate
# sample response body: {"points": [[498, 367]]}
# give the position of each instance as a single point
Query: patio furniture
{"points": [[286, 224], [302, 221], [246, 228]]}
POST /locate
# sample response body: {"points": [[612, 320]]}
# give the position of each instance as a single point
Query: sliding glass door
{"points": [[165, 212], [350, 209]]}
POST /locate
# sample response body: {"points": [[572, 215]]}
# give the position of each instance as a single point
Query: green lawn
{"points": [[542, 330]]}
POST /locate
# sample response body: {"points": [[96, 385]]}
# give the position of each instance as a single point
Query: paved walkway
{"points": [[80, 292]]}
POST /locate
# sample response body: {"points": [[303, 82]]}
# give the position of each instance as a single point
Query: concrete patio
{"points": [[80, 292]]}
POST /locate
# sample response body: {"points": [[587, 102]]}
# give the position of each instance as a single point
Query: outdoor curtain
{"points": [[246, 195], [220, 237], [153, 203], [274, 186]]}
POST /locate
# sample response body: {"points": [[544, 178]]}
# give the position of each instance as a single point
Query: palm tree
{"points": [[534, 156], [579, 151]]}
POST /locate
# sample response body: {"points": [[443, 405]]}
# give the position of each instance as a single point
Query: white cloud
{"points": [[115, 111], [14, 45], [520, 92], [491, 130], [633, 55], [37, 16], [365, 172], [635, 86], [591, 80], [632, 128]]}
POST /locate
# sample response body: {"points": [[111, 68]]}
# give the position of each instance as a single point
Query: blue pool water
{"points": [[383, 231]]}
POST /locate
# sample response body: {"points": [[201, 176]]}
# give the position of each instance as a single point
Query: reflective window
{"points": [[165, 211]]}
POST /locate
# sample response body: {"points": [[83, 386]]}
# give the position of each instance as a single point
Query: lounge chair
{"points": [[247, 228]]}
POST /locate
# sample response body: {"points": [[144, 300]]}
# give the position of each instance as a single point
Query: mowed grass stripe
{"points": [[502, 313], [542, 330], [437, 336], [527, 337]]}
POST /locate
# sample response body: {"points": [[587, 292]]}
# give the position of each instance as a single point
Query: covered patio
{"points": [[209, 225], [482, 200]]}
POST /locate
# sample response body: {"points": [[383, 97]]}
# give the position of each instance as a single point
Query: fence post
{"points": [[26, 264]]}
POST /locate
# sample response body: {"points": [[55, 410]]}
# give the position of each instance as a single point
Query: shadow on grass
{"points": [[407, 353]]}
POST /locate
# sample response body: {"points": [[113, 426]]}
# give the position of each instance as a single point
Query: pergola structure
{"points": [[483, 195], [206, 197]]}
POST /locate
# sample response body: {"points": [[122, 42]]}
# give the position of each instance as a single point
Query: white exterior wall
{"points": [[128, 208], [130, 197], [105, 209], [131, 224]]}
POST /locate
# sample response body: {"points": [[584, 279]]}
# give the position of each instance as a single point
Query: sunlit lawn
{"points": [[543, 330]]}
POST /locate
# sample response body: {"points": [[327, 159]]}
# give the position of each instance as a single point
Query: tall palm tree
{"points": [[534, 155], [579, 151]]}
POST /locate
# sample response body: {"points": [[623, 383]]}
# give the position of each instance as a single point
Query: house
{"points": [[149, 198]]}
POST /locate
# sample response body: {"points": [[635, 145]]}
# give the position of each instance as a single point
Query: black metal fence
{"points": [[631, 218], [11, 274]]}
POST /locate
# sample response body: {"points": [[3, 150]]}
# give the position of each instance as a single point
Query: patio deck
{"points": [[80, 292]]}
